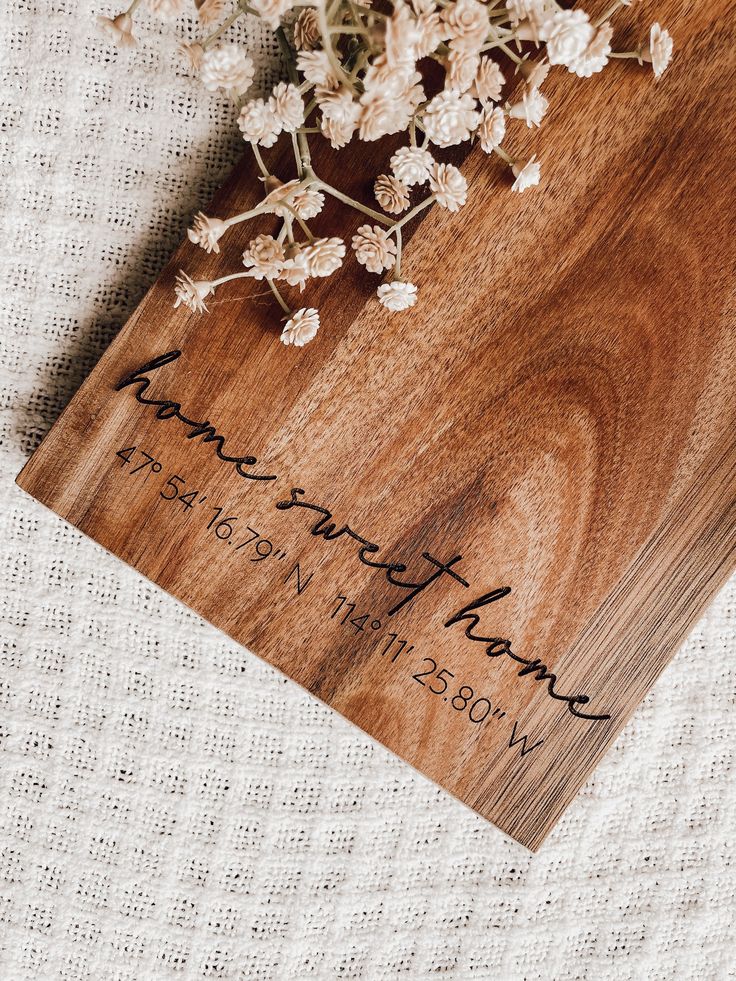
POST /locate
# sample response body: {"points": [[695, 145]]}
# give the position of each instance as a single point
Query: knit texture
{"points": [[170, 806]]}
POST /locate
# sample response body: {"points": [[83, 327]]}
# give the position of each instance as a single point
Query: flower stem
{"points": [[259, 160], [224, 26], [282, 303], [609, 13], [397, 265], [351, 202], [228, 279], [412, 214]]}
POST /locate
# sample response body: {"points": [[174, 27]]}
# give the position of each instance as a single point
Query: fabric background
{"points": [[170, 807]]}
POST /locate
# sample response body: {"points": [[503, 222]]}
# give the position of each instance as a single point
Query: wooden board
{"points": [[543, 446]]}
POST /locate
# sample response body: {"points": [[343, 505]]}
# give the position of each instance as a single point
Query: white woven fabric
{"points": [[169, 806]]}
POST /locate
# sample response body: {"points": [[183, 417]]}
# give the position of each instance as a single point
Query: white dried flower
{"points": [[192, 293], [287, 106], [264, 257], [316, 68], [488, 81], [336, 132], [207, 232], [340, 114], [272, 10], [193, 53], [462, 66], [659, 49], [492, 128], [227, 67], [324, 256], [167, 9], [428, 32], [526, 174], [295, 270], [391, 78], [449, 187], [306, 30], [466, 24], [397, 295], [120, 29], [528, 17], [373, 248], [595, 57], [382, 115], [401, 36], [209, 11], [531, 109], [532, 10], [567, 33], [307, 202], [301, 328], [258, 124], [449, 118], [411, 165], [391, 193]]}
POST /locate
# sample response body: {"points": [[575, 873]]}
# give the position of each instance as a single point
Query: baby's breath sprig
{"points": [[355, 72]]}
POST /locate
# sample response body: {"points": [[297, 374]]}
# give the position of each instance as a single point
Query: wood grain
{"points": [[559, 410]]}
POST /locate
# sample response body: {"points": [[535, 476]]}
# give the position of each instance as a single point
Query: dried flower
{"points": [[384, 113], [264, 257], [207, 232], [526, 174], [567, 33], [227, 67], [340, 114], [466, 23], [492, 129], [373, 248], [401, 36], [462, 68], [449, 118], [192, 294], [411, 165], [287, 106], [316, 68], [362, 74], [529, 10], [301, 328], [272, 10], [306, 30], [659, 50], [531, 109], [258, 124], [428, 28], [449, 187], [595, 57], [120, 29], [307, 202], [488, 81], [295, 270], [397, 295], [324, 256], [167, 9], [391, 193], [209, 11]]}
